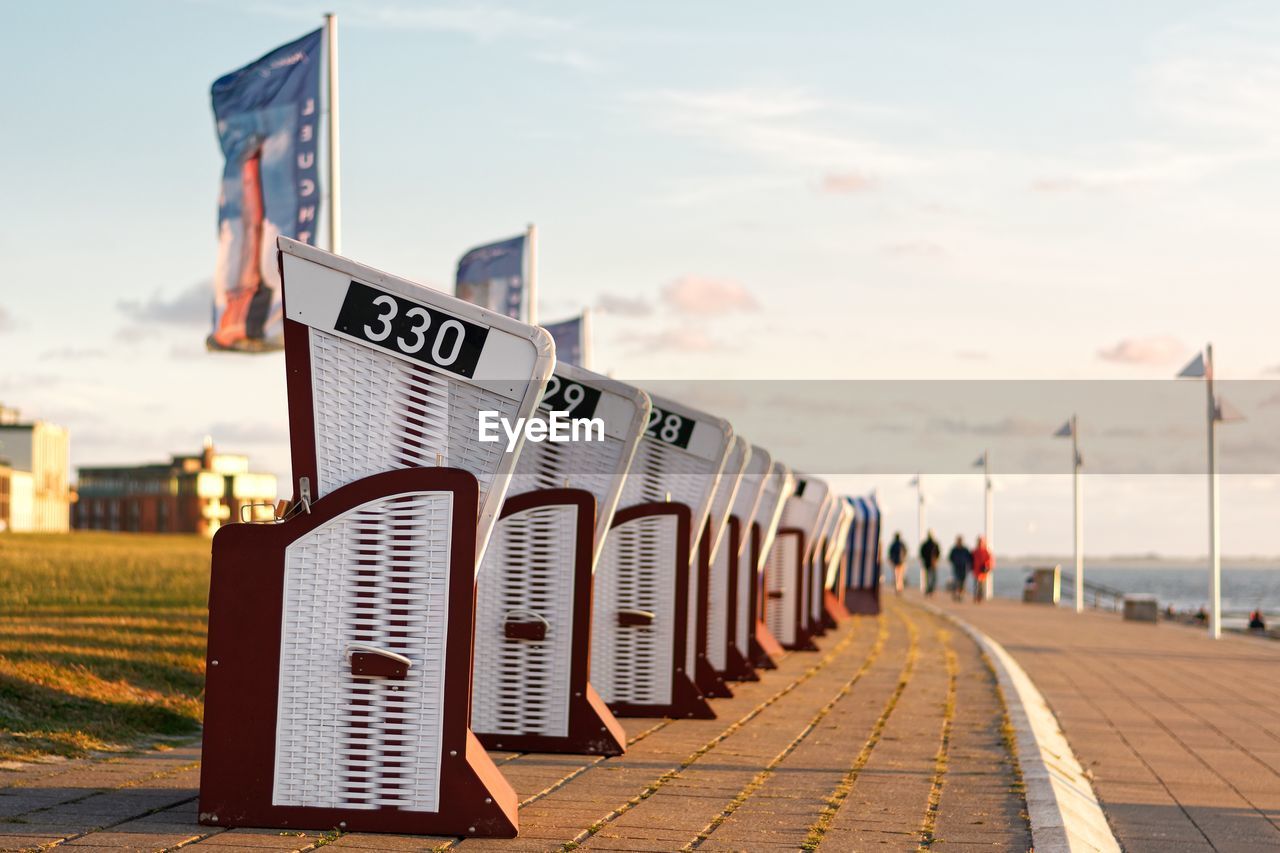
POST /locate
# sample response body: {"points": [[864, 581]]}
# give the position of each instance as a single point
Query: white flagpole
{"points": [[920, 529], [531, 274], [335, 195], [1215, 557], [1079, 513], [988, 520], [586, 337]]}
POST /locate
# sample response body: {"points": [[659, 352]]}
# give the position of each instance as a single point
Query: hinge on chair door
{"points": [[304, 492]]}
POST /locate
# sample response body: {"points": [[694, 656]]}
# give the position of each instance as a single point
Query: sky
{"points": [[742, 191]]}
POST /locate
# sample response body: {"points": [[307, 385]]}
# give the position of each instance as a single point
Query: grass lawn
{"points": [[102, 640]]}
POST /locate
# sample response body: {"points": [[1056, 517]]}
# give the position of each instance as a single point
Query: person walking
{"points": [[930, 553], [984, 563], [898, 559], [961, 559]]}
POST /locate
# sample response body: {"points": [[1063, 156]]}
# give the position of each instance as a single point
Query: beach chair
{"points": [[765, 650], [645, 591], [340, 637], [787, 571], [720, 536], [531, 688], [728, 643]]}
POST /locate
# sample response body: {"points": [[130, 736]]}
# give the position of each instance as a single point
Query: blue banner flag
{"points": [[268, 122], [568, 335], [493, 277]]}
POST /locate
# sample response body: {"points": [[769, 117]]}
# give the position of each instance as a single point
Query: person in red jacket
{"points": [[984, 562]]}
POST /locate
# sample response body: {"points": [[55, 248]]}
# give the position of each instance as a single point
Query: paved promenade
{"points": [[888, 737], [1181, 733]]}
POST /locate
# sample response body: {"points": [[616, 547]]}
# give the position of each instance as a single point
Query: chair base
{"points": [[833, 609], [687, 702], [863, 601], [766, 648], [710, 681], [737, 668], [593, 730]]}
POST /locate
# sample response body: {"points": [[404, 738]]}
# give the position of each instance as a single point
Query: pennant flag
{"points": [[268, 123], [1064, 431], [493, 277], [1195, 369], [570, 337], [1224, 411]]}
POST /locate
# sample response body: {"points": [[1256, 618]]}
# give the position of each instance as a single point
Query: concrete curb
{"points": [[1061, 804]]}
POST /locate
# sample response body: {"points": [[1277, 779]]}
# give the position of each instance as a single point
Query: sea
{"points": [[1246, 584]]}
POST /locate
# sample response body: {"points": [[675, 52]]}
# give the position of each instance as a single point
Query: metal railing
{"points": [[1096, 595]]}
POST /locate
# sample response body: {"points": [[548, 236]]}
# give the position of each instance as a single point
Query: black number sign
{"points": [[669, 427], [395, 323], [573, 398]]}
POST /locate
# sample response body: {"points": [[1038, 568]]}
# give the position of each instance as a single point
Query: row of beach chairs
{"points": [[429, 595]]}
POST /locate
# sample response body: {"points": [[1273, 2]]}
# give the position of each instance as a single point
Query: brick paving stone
{"points": [[788, 802], [892, 789], [805, 721], [611, 784], [1180, 732], [980, 802], [25, 842]]}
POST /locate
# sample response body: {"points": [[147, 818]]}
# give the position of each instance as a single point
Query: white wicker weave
{"points": [[633, 664], [782, 586], [377, 408], [522, 686], [722, 504], [748, 503], [375, 576]]}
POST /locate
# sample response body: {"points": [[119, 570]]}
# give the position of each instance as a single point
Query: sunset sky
{"points": [[742, 191]]}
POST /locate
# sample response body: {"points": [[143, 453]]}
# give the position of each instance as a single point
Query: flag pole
{"points": [[331, 40], [987, 518], [1215, 557], [531, 274], [920, 523], [1079, 513], [586, 337]]}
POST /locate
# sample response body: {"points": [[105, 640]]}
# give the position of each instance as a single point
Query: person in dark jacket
{"points": [[898, 559], [930, 553], [961, 560]]}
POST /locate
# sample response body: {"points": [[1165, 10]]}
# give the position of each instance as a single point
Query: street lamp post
{"points": [[1072, 429], [918, 482], [988, 514], [1201, 367]]}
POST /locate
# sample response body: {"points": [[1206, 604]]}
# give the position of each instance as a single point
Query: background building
{"points": [[35, 464], [188, 494]]}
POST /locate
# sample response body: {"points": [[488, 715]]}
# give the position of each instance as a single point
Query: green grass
{"points": [[101, 640]]}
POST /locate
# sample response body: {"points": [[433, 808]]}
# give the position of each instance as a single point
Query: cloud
{"points": [[1273, 370], [1154, 350], [191, 307], [571, 59], [1011, 426], [847, 183], [480, 21], [248, 434], [624, 306], [1224, 77], [915, 249], [74, 354], [971, 355], [6, 322], [785, 126], [679, 339], [707, 297]]}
